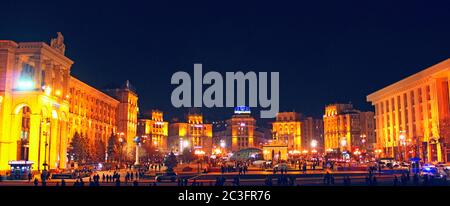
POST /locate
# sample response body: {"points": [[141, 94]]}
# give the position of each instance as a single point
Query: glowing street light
{"points": [[343, 142], [313, 143], [223, 144], [199, 153]]}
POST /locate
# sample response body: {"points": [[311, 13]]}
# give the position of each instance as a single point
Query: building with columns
{"points": [[42, 105], [413, 115], [287, 130], [154, 129], [347, 129], [92, 113], [126, 115], [286, 137], [194, 134], [242, 131]]}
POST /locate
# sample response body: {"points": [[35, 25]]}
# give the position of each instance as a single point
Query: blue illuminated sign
{"points": [[242, 110]]}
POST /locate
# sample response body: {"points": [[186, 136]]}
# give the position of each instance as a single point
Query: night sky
{"points": [[325, 52]]}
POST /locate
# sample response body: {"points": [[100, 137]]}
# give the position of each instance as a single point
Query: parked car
{"points": [[280, 166], [166, 176], [432, 171]]}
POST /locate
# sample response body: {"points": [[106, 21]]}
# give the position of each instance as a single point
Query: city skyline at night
{"points": [[320, 52], [222, 102]]}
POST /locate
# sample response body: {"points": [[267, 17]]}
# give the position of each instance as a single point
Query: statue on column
{"points": [[58, 43]]}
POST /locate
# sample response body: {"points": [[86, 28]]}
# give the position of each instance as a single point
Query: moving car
{"points": [[168, 176]]}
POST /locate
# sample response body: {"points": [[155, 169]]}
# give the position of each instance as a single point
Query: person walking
{"points": [[30, 177], [395, 180]]}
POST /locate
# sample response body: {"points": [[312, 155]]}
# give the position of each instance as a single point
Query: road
{"points": [[252, 178]]}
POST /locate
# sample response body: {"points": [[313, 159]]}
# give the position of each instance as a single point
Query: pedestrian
{"points": [[63, 183], [326, 179], [395, 180], [30, 177], [117, 182], [416, 179], [36, 182]]}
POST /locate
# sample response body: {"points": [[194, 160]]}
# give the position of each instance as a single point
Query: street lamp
{"points": [[121, 150], [343, 143], [137, 140], [402, 142], [313, 144], [46, 134], [199, 154]]}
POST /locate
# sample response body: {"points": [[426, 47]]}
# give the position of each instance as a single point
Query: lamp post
{"points": [[363, 141], [137, 140], [120, 152], [46, 134], [402, 144], [199, 154]]}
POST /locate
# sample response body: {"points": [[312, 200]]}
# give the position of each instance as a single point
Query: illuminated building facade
{"points": [[312, 134], [287, 130], [286, 137], [412, 115], [126, 115], [242, 131], [34, 112], [42, 105], [154, 129], [91, 112], [347, 129], [193, 134]]}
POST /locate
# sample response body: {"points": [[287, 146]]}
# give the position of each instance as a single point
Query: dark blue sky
{"points": [[325, 52]]}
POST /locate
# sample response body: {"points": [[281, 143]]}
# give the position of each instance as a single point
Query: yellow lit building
{"points": [[287, 130], [154, 129], [92, 112], [193, 134], [287, 137], [312, 134], [242, 131], [411, 115], [42, 105], [126, 115], [347, 129], [34, 112]]}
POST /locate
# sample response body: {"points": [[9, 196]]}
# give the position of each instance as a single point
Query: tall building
{"points": [[126, 114], [42, 105], [92, 113], [413, 115], [287, 130], [347, 129], [312, 134], [193, 134], [242, 131], [154, 129], [286, 137]]}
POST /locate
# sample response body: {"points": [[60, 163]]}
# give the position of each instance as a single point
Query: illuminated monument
{"points": [[413, 115], [42, 105]]}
